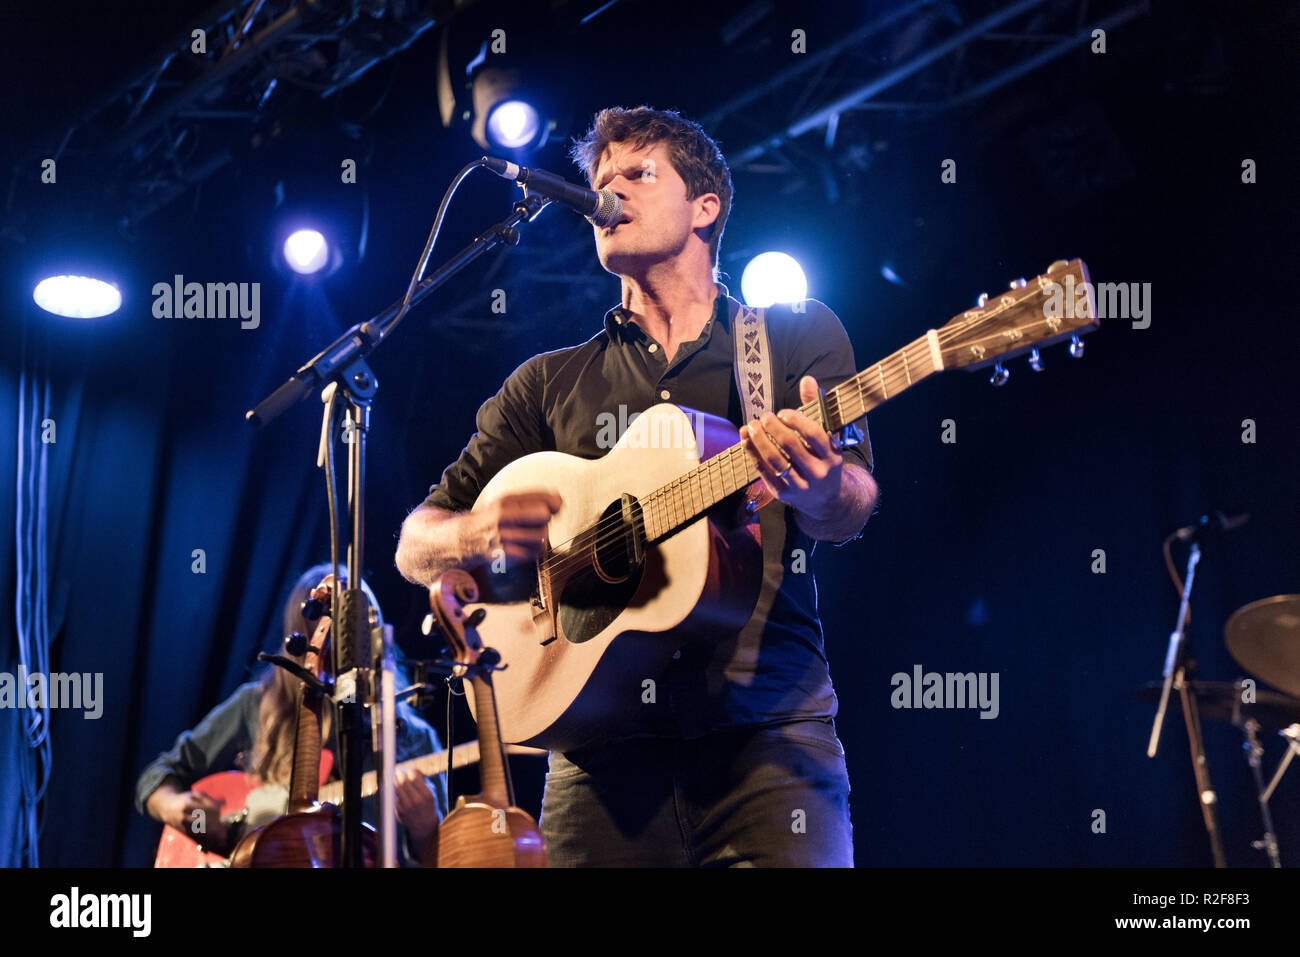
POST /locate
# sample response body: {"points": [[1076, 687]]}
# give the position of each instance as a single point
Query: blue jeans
{"points": [[768, 796]]}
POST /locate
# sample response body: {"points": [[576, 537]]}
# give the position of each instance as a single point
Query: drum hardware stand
{"points": [[1268, 842]]}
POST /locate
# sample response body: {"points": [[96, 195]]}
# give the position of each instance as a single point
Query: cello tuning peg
{"points": [[1019, 283], [981, 299], [429, 625], [313, 609], [295, 645], [1000, 375], [1035, 361], [1076, 347], [475, 617]]}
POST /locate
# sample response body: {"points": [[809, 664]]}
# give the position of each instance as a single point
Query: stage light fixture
{"points": [[773, 277], [513, 124], [504, 119], [77, 297], [306, 251]]}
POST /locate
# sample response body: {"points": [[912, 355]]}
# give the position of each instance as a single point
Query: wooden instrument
{"points": [[647, 551], [233, 790], [485, 830], [310, 835]]}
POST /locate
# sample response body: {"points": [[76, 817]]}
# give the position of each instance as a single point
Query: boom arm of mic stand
{"points": [[361, 339]]}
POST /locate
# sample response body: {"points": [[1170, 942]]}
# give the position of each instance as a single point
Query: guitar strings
{"points": [[613, 527], [892, 371]]}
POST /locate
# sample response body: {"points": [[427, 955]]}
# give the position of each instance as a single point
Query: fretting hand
{"points": [[796, 458]]}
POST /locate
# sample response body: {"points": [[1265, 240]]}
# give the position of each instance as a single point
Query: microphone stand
{"points": [[342, 363], [1176, 678]]}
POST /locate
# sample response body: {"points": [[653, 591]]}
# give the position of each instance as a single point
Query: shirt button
{"points": [[664, 394], [654, 347]]}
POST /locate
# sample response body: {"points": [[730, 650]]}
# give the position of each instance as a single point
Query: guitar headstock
{"points": [[447, 598], [1032, 314], [316, 608]]}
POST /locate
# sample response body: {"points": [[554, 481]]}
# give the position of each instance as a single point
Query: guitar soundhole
{"points": [[596, 595], [612, 558]]}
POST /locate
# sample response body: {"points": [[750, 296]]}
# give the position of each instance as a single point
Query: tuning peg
{"points": [[1019, 283], [1000, 375], [981, 300], [1035, 361], [428, 625], [313, 608], [295, 645], [1076, 347]]}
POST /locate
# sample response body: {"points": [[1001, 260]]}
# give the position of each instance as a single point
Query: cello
{"points": [[487, 829], [310, 834]]}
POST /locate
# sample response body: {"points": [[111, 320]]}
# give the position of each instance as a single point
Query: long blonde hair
{"points": [[277, 724]]}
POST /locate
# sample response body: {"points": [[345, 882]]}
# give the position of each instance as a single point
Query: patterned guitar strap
{"points": [[753, 360]]}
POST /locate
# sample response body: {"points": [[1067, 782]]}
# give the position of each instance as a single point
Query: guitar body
{"points": [[234, 791], [301, 839], [578, 644], [230, 789]]}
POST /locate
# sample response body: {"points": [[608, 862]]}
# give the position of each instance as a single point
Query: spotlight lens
{"points": [[306, 251], [773, 277], [78, 297], [513, 124]]}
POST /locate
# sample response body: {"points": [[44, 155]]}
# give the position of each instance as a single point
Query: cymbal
{"points": [[1264, 637], [1221, 701]]}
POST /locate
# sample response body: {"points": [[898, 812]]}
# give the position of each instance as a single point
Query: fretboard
{"points": [[428, 765], [685, 499]]}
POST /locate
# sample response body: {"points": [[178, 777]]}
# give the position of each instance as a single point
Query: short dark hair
{"points": [[694, 155]]}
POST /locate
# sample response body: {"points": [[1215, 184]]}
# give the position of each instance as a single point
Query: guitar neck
{"points": [[428, 765], [682, 501]]}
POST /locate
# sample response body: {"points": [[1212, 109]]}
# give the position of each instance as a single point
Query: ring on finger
{"points": [[784, 454]]}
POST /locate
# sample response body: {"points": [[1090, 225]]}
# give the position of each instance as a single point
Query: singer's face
{"points": [[658, 219]]}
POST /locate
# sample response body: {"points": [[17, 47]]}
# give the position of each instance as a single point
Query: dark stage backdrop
{"points": [[981, 557]]}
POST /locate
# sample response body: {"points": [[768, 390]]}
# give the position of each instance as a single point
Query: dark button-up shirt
{"points": [[577, 400]]}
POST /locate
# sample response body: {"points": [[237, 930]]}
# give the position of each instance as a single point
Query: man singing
{"points": [[741, 766]]}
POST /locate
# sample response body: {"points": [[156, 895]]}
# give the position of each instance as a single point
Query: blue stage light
{"points": [[306, 251], [78, 297], [773, 277], [513, 124]]}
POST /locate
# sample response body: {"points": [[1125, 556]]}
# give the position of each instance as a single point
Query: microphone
{"points": [[601, 208], [1218, 522]]}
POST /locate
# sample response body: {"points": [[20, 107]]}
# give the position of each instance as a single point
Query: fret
{"points": [[883, 388], [906, 372]]}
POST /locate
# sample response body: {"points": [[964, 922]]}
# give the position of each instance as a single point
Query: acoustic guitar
{"points": [[657, 543]]}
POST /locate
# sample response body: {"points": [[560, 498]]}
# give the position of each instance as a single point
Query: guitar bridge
{"points": [[540, 602]]}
